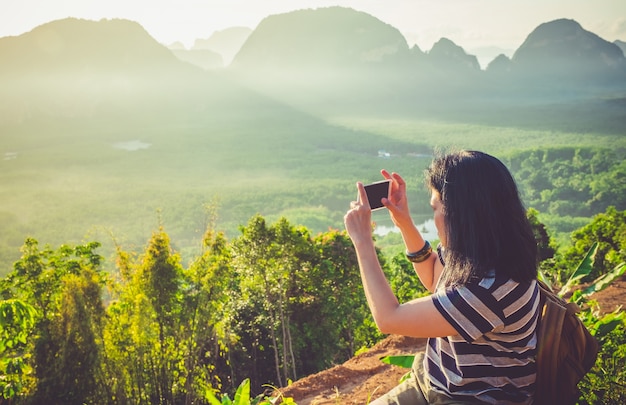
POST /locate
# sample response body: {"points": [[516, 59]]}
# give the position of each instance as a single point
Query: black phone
{"points": [[376, 192]]}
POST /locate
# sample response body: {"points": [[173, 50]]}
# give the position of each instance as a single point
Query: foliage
{"points": [[243, 397], [65, 350], [301, 295], [17, 320], [571, 181], [608, 230], [403, 280], [268, 307], [404, 361], [606, 383], [162, 335]]}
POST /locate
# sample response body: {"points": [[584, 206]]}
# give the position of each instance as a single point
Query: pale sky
{"points": [[469, 23]]}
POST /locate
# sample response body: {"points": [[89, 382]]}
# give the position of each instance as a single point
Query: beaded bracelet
{"points": [[420, 255]]}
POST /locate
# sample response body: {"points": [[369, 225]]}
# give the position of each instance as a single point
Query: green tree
{"points": [[299, 305], [144, 331], [205, 336], [569, 181], [403, 279], [65, 288], [266, 271], [341, 309]]}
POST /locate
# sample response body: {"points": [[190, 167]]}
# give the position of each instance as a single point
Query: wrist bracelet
{"points": [[420, 255]]}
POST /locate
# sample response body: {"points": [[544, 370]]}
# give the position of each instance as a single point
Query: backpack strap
{"points": [[548, 342]]}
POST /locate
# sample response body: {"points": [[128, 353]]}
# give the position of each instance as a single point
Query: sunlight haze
{"points": [[472, 24]]}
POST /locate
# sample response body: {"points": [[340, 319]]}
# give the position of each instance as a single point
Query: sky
{"points": [[471, 24]]}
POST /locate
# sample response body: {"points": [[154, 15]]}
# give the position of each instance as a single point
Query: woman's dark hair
{"points": [[486, 224]]}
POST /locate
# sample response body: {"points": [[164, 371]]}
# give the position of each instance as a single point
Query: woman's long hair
{"points": [[486, 224]]}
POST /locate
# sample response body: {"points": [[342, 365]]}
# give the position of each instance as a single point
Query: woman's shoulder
{"points": [[500, 288], [492, 280]]}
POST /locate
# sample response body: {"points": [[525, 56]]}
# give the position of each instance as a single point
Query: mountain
{"points": [[562, 50], [226, 42], [324, 38], [448, 55], [621, 44], [341, 49], [304, 58], [81, 68], [500, 65], [486, 54], [114, 46], [311, 57]]}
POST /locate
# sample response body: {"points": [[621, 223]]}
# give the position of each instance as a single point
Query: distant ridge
{"points": [[563, 49], [112, 45], [316, 45], [305, 57], [226, 42], [447, 54], [81, 68], [321, 38]]}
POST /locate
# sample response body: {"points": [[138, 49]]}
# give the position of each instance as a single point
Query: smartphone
{"points": [[376, 192]]}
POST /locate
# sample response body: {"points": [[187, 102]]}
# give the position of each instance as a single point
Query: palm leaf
{"points": [[583, 269]]}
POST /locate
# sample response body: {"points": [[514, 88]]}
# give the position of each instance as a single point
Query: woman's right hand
{"points": [[397, 203]]}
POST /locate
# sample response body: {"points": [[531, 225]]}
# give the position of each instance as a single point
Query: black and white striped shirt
{"points": [[492, 359]]}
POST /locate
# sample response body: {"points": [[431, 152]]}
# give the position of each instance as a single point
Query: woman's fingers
{"points": [[358, 218], [363, 200]]}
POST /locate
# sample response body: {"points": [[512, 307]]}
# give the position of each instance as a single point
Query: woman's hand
{"points": [[358, 219], [397, 203]]}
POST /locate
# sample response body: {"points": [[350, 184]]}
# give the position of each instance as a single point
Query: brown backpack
{"points": [[566, 350]]}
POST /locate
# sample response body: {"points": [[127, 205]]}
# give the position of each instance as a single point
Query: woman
{"points": [[481, 316]]}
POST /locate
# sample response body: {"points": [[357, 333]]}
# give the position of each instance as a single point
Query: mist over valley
{"points": [[106, 133]]}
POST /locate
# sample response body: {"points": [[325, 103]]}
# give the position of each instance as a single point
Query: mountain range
{"points": [[259, 132], [305, 56]]}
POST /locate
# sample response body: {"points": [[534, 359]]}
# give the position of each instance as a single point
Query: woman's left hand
{"points": [[358, 219]]}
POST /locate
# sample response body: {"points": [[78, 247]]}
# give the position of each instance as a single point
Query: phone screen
{"points": [[377, 191]]}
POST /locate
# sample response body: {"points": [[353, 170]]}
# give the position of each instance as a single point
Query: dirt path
{"points": [[358, 379]]}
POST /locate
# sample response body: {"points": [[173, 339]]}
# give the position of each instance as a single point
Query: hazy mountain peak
{"points": [[446, 51], [564, 42], [226, 42], [86, 44], [500, 64], [333, 36]]}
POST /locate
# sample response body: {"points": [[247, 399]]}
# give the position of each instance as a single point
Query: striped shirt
{"points": [[492, 358]]}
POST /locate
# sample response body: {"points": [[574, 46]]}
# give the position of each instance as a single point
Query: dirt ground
{"points": [[365, 377]]}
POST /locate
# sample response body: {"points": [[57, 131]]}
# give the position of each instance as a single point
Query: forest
{"points": [[274, 304]]}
